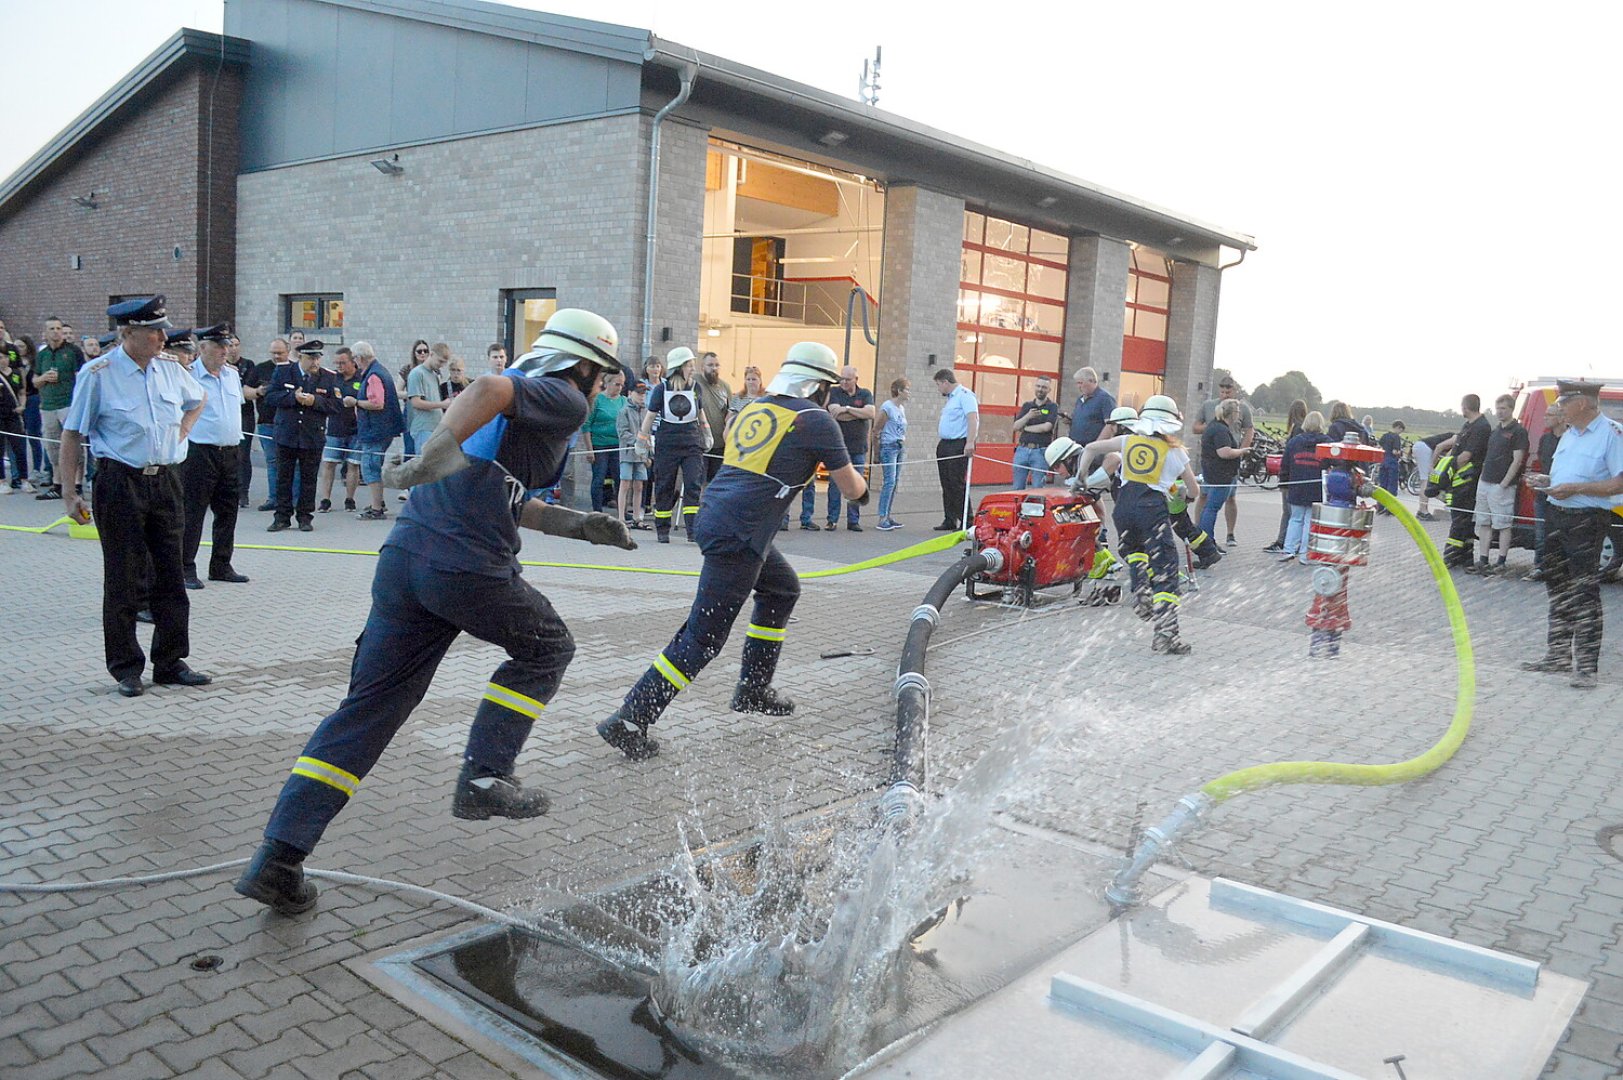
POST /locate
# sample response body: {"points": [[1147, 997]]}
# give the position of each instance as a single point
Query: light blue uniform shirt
{"points": [[221, 422], [1595, 453], [133, 416], [955, 414]]}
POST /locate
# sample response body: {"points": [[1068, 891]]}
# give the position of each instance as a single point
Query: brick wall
{"points": [[918, 290], [428, 253], [1094, 292], [1192, 335], [146, 168]]}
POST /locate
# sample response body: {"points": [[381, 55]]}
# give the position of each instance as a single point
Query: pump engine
{"points": [[1046, 536]]}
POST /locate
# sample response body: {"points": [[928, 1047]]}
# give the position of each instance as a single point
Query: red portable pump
{"points": [[1046, 536]]}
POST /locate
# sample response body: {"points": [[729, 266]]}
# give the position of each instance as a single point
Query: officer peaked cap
{"points": [[144, 311], [313, 347], [1565, 388]]}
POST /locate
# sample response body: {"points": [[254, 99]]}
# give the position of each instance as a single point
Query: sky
{"points": [[1416, 176]]}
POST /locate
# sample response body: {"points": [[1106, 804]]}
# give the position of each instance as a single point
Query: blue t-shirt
{"points": [[468, 522], [772, 451], [1392, 443]]}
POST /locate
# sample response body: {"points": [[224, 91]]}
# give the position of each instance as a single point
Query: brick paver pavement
{"points": [[1498, 849]]}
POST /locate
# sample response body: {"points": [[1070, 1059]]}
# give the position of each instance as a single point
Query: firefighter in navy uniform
{"points": [[679, 446], [451, 565], [1152, 461], [772, 452]]}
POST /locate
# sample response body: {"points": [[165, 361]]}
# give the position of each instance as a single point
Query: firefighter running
{"points": [[1152, 461], [772, 452]]}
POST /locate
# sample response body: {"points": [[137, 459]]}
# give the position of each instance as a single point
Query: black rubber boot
{"points": [[761, 699], [628, 737], [1171, 645], [275, 877], [481, 797]]}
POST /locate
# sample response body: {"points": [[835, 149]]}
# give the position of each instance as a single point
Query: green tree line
{"points": [[1273, 399]]}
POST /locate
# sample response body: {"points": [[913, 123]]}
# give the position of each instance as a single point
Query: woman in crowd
{"points": [[892, 439], [751, 391], [1341, 422], [33, 423], [13, 400], [1299, 473], [456, 377], [1293, 428]]}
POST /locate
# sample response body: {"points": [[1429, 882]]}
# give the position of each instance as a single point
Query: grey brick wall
{"points": [[1094, 292], [427, 253], [147, 170], [1192, 334], [918, 299]]}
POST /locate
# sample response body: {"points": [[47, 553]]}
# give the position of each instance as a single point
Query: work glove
{"points": [[441, 456], [572, 525]]}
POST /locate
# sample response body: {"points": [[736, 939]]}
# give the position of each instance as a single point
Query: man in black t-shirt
{"points": [[252, 391], [1502, 467], [451, 566], [773, 447], [852, 408], [1469, 447], [1034, 425], [1220, 456]]}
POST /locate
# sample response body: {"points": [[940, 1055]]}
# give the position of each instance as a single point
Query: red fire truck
{"points": [[1535, 402]]}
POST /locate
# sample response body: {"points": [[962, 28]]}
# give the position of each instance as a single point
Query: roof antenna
{"points": [[868, 85]]}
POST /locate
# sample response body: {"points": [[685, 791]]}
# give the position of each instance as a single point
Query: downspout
{"points": [[688, 72]]}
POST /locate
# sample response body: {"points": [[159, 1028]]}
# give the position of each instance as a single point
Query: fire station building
{"points": [[402, 169]]}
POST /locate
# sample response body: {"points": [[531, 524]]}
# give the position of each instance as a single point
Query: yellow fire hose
{"points": [[1192, 808]]}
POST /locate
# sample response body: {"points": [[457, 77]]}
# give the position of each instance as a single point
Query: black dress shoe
{"points": [[144, 616], [945, 526], [131, 687], [181, 676], [279, 526], [193, 583], [227, 575], [275, 878], [305, 526], [1548, 665], [267, 505]]}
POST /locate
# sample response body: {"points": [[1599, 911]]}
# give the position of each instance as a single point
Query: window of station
{"points": [[1011, 325], [1144, 340], [789, 248], [314, 313]]}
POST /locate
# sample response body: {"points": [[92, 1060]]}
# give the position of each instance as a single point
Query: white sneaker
{"points": [[6, 489]]}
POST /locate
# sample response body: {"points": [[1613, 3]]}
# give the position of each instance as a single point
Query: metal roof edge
{"points": [[609, 40], [748, 78], [184, 43]]}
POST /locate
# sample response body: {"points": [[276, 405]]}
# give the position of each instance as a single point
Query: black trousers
{"points": [[667, 465], [307, 463], [141, 519], [1461, 543], [209, 479], [1572, 549], [713, 460], [245, 466], [953, 468]]}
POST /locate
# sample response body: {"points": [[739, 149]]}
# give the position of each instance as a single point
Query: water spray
{"points": [[1193, 808]]}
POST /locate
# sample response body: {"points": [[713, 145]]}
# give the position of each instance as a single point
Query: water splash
{"points": [[793, 959]]}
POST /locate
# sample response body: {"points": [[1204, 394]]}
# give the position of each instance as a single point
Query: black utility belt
{"points": [[143, 470], [1582, 511]]}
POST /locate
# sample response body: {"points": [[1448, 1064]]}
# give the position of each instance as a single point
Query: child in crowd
{"points": [[633, 458]]}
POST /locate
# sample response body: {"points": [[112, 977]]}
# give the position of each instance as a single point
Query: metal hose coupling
{"points": [[1123, 891], [926, 611], [993, 558], [902, 803], [913, 680]]}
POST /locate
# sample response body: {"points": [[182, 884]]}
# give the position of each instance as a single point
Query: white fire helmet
{"points": [[1123, 415], [1160, 416], [809, 367], [570, 336], [676, 358], [1060, 449]]}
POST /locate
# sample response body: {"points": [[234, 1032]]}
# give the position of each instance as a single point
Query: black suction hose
{"points": [[902, 799]]}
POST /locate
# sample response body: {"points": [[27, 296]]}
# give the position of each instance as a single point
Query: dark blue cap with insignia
{"points": [[144, 311], [219, 333], [1565, 388], [313, 347], [106, 340], [178, 339]]}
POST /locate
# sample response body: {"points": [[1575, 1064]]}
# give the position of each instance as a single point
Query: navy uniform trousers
{"points": [[725, 582], [1573, 541], [667, 464], [417, 611], [1145, 528], [142, 521]]}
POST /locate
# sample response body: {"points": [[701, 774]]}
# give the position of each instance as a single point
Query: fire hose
{"points": [[1193, 808], [903, 797]]}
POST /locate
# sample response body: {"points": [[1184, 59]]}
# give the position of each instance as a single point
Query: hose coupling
{"points": [[912, 680], [1123, 892], [901, 803], [926, 611], [993, 559]]}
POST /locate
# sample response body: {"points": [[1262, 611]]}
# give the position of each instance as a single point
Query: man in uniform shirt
{"points": [[303, 395], [138, 411], [1584, 488], [210, 475], [956, 432], [451, 565], [773, 448], [1034, 425], [1470, 447]]}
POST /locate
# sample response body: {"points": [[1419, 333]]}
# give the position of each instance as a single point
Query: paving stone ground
{"points": [[1498, 849]]}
